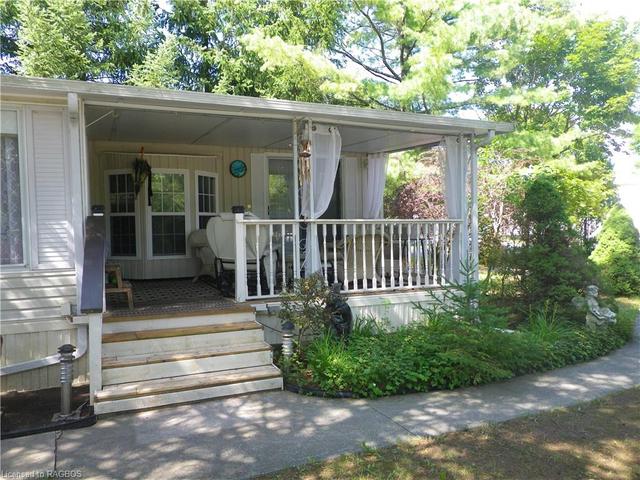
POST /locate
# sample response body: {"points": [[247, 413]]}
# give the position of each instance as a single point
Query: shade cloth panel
{"points": [[373, 182], [326, 144], [454, 154]]}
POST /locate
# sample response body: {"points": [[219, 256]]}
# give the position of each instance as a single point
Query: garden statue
{"points": [[341, 317], [596, 316]]}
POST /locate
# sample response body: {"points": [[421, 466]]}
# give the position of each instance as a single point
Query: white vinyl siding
{"points": [[51, 191]]}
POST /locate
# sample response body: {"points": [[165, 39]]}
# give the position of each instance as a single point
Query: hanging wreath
{"points": [[142, 172]]}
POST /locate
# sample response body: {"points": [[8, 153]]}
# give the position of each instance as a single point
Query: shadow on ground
{"points": [[599, 440]]}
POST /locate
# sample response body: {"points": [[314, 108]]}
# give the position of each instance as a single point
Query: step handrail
{"points": [[92, 296]]}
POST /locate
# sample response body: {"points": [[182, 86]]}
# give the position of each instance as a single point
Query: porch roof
{"points": [[364, 130]]}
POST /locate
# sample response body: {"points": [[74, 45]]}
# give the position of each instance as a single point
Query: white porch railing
{"points": [[361, 255]]}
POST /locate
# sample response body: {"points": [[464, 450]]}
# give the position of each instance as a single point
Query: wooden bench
{"points": [[121, 286]]}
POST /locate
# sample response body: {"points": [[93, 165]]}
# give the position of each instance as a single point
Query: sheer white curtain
{"points": [[453, 157], [326, 144], [373, 185]]}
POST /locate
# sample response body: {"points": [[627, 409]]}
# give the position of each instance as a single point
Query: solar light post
{"points": [[66, 377], [287, 342]]}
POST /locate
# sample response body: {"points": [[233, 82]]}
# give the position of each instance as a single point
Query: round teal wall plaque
{"points": [[238, 168]]}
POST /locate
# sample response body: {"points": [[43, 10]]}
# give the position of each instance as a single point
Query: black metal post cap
{"points": [[66, 348], [288, 326]]}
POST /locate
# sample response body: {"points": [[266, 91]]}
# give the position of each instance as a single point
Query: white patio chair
{"points": [[198, 241], [221, 238]]}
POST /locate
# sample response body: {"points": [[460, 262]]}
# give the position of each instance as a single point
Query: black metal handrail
{"points": [[92, 286]]}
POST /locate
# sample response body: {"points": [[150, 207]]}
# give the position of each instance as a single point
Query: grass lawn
{"points": [[596, 440], [629, 303]]}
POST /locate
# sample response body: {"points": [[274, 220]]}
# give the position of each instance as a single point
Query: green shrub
{"points": [[447, 353], [549, 263], [305, 306], [617, 253], [545, 326], [466, 300]]}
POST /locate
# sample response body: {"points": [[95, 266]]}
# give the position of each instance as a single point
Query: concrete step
{"points": [[170, 364], [186, 388]]}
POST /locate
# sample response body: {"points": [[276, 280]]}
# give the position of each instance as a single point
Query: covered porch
{"points": [[257, 197]]}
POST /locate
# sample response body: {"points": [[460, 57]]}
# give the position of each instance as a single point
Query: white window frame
{"points": [[187, 215], [136, 215], [25, 189], [201, 173]]}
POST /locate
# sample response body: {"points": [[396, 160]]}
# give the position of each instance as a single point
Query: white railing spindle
{"points": [[283, 255], [324, 249], [335, 257], [272, 276], [424, 255], [392, 255]]}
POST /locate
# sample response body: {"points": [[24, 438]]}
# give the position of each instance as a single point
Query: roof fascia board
{"points": [[382, 125], [271, 108]]}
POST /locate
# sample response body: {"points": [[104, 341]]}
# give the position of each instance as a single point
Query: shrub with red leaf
{"points": [[418, 198]]}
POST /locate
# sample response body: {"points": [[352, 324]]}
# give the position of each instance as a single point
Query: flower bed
{"points": [[446, 353]]}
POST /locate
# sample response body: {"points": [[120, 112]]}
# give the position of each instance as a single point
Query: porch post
{"points": [[312, 237], [74, 107], [241, 258], [93, 321], [295, 228], [311, 175], [475, 255], [296, 197], [464, 205]]}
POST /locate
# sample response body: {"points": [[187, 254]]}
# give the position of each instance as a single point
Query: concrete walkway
{"points": [[246, 436]]}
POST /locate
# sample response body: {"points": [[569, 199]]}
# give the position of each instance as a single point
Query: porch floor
{"points": [[169, 296]]}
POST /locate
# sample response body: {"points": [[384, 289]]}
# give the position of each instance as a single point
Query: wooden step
{"points": [[179, 332], [187, 396], [189, 342], [189, 354], [139, 314], [186, 382], [177, 320], [191, 366]]}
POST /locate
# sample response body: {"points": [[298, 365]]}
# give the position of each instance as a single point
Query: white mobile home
{"points": [[141, 183]]}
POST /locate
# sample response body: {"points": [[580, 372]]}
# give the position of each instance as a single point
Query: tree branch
{"points": [[382, 75], [383, 53], [364, 101]]}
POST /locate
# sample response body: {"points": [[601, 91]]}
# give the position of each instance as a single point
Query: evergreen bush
{"points": [[549, 263], [617, 253]]}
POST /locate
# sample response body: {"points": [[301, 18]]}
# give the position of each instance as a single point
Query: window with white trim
{"points": [[168, 214], [122, 215], [12, 250], [206, 197]]}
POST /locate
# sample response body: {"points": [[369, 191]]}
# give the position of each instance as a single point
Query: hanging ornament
{"points": [[304, 155], [142, 172]]}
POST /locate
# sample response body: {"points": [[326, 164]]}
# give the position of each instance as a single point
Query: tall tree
{"points": [[569, 87], [80, 39], [214, 35], [9, 26]]}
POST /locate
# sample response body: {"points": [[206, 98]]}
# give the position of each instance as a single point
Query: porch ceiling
{"points": [[164, 126]]}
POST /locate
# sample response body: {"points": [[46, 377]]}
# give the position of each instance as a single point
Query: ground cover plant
{"points": [[460, 342], [598, 439]]}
